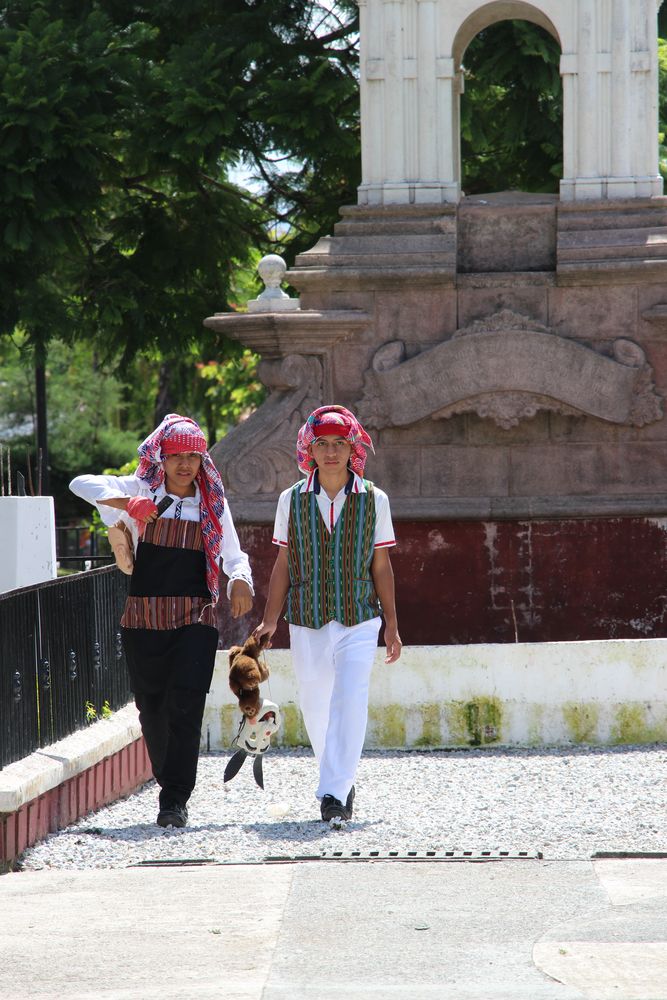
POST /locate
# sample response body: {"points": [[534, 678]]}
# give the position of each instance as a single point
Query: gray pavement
{"points": [[500, 930]]}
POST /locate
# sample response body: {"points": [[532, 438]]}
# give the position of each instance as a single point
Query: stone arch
{"points": [[411, 53], [481, 18], [494, 12]]}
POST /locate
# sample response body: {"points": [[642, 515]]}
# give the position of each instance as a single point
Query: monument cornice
{"points": [[305, 331]]}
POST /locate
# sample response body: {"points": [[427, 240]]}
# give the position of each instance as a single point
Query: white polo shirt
{"points": [[330, 510]]}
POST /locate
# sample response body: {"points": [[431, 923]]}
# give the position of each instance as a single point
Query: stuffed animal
{"points": [[246, 672]]}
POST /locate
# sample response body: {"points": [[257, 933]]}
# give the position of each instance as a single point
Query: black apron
{"points": [[159, 658]]}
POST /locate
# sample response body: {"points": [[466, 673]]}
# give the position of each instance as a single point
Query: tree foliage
{"points": [[511, 111], [121, 125], [86, 411]]}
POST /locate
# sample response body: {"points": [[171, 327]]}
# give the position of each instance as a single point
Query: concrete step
{"points": [[446, 258], [628, 218], [648, 236], [400, 244], [416, 227]]}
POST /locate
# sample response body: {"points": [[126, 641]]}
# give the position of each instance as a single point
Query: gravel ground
{"points": [[568, 803]]}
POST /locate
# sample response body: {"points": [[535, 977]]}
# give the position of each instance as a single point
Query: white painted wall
{"points": [[525, 694], [27, 541]]}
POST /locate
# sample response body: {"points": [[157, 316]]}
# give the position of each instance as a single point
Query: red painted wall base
{"points": [[104, 782], [499, 581]]}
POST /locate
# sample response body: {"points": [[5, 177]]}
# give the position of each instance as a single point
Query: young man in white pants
{"points": [[333, 530]]}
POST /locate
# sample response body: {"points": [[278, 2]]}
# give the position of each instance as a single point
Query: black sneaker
{"points": [[173, 815], [332, 808]]}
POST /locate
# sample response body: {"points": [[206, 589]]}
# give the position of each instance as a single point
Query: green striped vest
{"points": [[330, 572]]}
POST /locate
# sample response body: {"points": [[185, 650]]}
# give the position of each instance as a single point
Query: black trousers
{"points": [[171, 723]]}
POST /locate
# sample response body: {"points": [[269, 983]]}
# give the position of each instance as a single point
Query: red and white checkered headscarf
{"points": [[178, 434], [333, 419]]}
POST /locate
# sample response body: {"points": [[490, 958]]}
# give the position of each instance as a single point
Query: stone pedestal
{"points": [[509, 356]]}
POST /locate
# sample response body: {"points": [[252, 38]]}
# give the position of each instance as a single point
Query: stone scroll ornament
{"points": [[257, 456], [507, 368]]}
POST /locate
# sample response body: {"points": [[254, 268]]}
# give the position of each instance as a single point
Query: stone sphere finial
{"points": [[272, 270]]}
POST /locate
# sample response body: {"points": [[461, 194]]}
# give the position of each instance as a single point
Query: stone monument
{"points": [[508, 352]]}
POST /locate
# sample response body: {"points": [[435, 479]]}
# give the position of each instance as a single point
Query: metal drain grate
{"points": [[278, 859], [478, 856], [627, 855], [175, 863]]}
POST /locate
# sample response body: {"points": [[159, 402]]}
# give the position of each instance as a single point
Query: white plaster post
{"points": [[27, 541]]}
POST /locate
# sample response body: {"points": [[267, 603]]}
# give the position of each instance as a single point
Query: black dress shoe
{"points": [[173, 815]]}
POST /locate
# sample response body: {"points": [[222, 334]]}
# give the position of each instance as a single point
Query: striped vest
{"points": [[330, 572]]}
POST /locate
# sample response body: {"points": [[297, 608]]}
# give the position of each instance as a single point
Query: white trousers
{"points": [[333, 668]]}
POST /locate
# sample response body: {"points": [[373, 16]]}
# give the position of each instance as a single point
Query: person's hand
{"points": [[392, 641], [265, 628], [142, 510], [240, 598]]}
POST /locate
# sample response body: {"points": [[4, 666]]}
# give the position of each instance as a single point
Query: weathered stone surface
{"points": [[497, 233], [480, 303], [395, 470], [592, 314], [590, 468], [508, 368], [425, 432], [485, 432], [512, 360], [464, 472], [259, 456], [616, 238], [416, 316]]}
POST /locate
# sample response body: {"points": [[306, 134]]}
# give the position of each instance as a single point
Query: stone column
{"points": [[644, 99], [588, 183], [428, 189], [395, 188], [372, 101], [448, 135], [621, 182]]}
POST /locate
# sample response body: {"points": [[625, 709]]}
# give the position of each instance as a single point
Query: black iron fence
{"points": [[61, 658], [80, 545]]}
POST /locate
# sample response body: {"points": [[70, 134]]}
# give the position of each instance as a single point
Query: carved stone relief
{"points": [[258, 457], [507, 367]]}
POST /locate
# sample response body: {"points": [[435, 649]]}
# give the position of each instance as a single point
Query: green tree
{"points": [[511, 111], [119, 223], [86, 406]]}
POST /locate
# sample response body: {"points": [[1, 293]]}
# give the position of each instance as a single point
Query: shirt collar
{"points": [[162, 491], [311, 484]]}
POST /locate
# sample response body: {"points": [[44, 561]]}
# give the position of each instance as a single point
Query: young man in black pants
{"points": [[168, 626]]}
